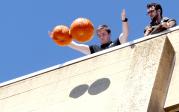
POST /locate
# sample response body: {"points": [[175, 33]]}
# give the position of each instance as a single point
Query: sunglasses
{"points": [[151, 11]]}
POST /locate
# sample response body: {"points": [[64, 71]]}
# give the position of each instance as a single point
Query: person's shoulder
{"points": [[116, 42], [94, 45], [166, 19], [94, 48]]}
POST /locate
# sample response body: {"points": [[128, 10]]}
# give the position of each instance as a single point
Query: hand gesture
{"points": [[123, 14], [148, 30]]}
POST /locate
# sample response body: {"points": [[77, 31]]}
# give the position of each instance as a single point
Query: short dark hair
{"points": [[105, 27], [157, 6]]}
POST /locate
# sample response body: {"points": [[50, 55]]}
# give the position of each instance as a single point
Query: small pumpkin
{"points": [[82, 30], [61, 36]]}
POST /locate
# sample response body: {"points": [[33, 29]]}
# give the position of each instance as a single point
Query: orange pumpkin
{"points": [[82, 29], [61, 36]]}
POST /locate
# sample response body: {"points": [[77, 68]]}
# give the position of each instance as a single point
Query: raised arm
{"points": [[80, 47], [125, 29]]}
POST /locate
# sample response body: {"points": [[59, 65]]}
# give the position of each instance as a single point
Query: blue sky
{"points": [[25, 46]]}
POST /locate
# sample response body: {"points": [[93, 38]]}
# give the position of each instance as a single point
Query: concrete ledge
{"points": [[134, 78], [172, 100], [88, 56], [162, 79]]}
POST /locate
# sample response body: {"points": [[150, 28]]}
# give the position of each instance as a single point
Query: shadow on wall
{"points": [[96, 88]]}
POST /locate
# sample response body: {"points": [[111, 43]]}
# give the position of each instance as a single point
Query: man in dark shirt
{"points": [[158, 22], [104, 34]]}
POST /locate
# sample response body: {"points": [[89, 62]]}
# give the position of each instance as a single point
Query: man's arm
{"points": [[80, 47], [169, 24], [125, 29]]}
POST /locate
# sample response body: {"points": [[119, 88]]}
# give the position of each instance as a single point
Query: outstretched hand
{"points": [[50, 34], [148, 30]]}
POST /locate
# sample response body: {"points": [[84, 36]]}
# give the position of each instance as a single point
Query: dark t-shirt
{"points": [[96, 48]]}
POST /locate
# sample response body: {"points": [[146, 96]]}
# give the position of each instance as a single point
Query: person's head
{"points": [[154, 10], [104, 33]]}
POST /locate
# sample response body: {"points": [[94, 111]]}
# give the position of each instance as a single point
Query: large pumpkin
{"points": [[61, 36], [82, 29]]}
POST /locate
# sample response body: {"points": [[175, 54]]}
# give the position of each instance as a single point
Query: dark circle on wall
{"points": [[99, 86], [78, 91]]}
